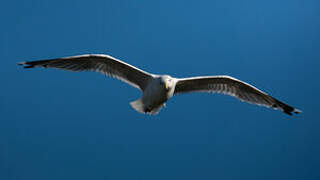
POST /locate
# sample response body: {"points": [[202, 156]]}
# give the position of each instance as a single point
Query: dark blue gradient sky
{"points": [[65, 125]]}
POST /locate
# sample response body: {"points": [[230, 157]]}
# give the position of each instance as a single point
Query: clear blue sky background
{"points": [[65, 125]]}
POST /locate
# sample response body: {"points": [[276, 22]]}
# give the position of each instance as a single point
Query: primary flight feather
{"points": [[157, 89]]}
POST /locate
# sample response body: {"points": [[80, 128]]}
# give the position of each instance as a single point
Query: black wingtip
{"points": [[285, 107], [25, 64], [289, 110], [297, 111]]}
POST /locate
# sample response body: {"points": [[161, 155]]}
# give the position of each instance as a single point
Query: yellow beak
{"points": [[167, 87]]}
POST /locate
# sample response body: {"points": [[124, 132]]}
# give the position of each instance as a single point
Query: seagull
{"points": [[158, 89]]}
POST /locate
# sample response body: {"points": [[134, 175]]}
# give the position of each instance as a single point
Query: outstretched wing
{"points": [[231, 86], [100, 63]]}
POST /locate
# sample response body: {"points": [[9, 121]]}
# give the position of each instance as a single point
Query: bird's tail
{"points": [[139, 106]]}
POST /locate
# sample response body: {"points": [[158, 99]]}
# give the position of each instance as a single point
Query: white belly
{"points": [[154, 96]]}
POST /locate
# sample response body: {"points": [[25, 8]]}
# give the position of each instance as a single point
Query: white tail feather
{"points": [[138, 106], [156, 110]]}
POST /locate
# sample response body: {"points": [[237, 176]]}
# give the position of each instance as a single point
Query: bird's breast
{"points": [[155, 95]]}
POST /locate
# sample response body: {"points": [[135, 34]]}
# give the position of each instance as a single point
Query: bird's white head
{"points": [[167, 82]]}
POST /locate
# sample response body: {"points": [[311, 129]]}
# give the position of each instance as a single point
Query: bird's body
{"points": [[155, 95], [157, 89]]}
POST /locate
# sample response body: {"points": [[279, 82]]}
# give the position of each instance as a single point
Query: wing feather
{"points": [[231, 86], [104, 64]]}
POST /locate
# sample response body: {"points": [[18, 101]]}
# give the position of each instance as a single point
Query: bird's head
{"points": [[167, 82]]}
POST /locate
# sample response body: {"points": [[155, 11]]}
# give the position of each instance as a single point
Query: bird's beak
{"points": [[167, 86]]}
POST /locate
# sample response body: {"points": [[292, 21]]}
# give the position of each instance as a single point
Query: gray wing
{"points": [[231, 86], [100, 63]]}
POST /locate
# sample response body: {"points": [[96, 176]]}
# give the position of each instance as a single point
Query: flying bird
{"points": [[157, 89]]}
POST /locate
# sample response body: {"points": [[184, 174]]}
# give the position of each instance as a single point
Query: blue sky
{"points": [[64, 125]]}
